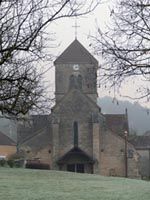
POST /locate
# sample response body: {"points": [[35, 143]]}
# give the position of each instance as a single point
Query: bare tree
{"points": [[23, 42], [125, 44]]}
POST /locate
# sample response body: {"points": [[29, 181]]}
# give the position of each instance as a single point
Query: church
{"points": [[77, 136]]}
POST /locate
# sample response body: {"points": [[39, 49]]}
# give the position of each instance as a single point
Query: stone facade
{"points": [[63, 74], [37, 145], [76, 103], [75, 107], [79, 137], [42, 155], [142, 145], [113, 156], [144, 162]]}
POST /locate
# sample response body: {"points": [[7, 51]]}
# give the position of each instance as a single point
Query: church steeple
{"points": [[76, 67], [76, 53]]}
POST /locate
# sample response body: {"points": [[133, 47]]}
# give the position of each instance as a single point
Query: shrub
{"points": [[16, 160], [2, 162], [11, 163], [33, 165]]}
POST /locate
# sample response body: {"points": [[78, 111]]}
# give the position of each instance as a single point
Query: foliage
{"points": [[2, 162], [124, 45], [23, 49], [32, 165], [11, 163], [36, 184], [16, 160]]}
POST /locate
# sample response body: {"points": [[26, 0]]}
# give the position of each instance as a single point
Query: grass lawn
{"points": [[26, 184]]}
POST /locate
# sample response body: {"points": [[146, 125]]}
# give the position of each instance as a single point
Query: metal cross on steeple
{"points": [[76, 28]]}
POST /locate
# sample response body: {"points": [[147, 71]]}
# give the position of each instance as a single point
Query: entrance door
{"points": [[79, 168], [71, 167]]}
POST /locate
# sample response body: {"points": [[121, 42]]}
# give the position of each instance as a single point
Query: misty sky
{"points": [[65, 33]]}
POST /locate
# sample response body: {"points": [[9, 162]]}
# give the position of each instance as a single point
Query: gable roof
{"points": [[117, 123], [32, 133], [39, 140], [141, 142], [76, 95], [5, 140], [75, 152], [76, 53]]}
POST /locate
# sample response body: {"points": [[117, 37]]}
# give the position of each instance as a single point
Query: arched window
{"points": [[79, 81], [71, 82], [75, 133], [75, 82]]}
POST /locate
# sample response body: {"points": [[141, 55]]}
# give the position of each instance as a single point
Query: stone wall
{"points": [[63, 73], [43, 155], [113, 156], [75, 107], [96, 147], [63, 140], [144, 163], [85, 137]]}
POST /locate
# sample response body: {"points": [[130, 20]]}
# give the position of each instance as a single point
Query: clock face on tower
{"points": [[76, 67]]}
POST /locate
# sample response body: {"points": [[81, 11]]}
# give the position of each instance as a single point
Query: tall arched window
{"points": [[80, 81], [75, 82], [75, 133], [71, 82]]}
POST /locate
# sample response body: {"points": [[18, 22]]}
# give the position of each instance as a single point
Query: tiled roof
{"points": [[77, 54], [5, 140], [39, 140], [36, 132], [78, 95], [141, 142], [118, 123]]}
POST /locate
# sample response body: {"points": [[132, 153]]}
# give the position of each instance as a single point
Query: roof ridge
{"points": [[76, 53], [8, 138], [69, 92], [120, 137], [36, 133], [116, 114]]}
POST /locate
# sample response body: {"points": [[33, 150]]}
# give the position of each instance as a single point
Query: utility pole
{"points": [[149, 163], [126, 154]]}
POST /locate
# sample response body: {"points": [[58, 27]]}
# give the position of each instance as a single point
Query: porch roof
{"points": [[78, 153]]}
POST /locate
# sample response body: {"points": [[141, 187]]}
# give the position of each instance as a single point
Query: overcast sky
{"points": [[65, 33]]}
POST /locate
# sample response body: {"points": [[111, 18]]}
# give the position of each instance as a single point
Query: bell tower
{"points": [[76, 115], [76, 67]]}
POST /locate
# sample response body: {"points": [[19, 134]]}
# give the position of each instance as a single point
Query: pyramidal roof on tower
{"points": [[76, 53]]}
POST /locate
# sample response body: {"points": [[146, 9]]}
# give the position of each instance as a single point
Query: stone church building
{"points": [[77, 136]]}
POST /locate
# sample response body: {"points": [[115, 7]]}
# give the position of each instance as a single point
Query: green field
{"points": [[25, 184]]}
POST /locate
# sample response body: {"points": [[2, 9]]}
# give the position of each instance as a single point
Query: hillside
{"points": [[139, 118], [25, 184]]}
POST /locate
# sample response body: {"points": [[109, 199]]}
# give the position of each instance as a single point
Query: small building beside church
{"points": [[77, 136], [7, 146], [142, 145]]}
